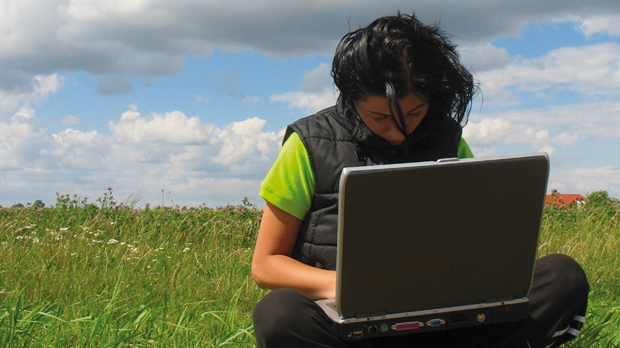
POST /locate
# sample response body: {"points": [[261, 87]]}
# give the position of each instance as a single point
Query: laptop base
{"points": [[426, 321]]}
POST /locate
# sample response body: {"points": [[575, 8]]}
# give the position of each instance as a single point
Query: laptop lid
{"points": [[431, 235]]}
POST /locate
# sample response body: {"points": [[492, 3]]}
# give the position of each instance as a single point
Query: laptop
{"points": [[436, 245]]}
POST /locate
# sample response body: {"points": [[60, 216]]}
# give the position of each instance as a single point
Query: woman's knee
{"points": [[280, 313], [569, 272], [563, 275]]}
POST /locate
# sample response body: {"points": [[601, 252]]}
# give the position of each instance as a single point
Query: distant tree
{"points": [[554, 194], [598, 198], [17, 205], [38, 204]]}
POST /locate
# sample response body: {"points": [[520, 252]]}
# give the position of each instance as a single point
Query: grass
{"points": [[108, 275]]}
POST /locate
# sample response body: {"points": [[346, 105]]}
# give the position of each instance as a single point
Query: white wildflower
{"points": [[112, 241], [185, 250]]}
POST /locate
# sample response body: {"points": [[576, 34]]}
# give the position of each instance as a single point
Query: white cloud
{"points": [[309, 102], [118, 40], [318, 79], [24, 114], [317, 91], [588, 119], [565, 139], [587, 180], [40, 88], [609, 24], [169, 128], [548, 149], [47, 84], [541, 139], [144, 154], [243, 144], [69, 119], [486, 132], [591, 70], [74, 138], [537, 130]]}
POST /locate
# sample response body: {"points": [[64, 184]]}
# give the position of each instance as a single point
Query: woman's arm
{"points": [[272, 265]]}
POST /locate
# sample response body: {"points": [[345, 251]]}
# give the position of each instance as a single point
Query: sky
{"points": [[185, 102]]}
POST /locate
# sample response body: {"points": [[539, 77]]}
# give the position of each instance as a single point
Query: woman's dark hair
{"points": [[398, 55]]}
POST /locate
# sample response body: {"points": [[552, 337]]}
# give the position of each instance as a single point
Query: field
{"points": [[103, 274]]}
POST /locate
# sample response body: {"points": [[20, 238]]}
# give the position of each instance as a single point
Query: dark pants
{"points": [[558, 301]]}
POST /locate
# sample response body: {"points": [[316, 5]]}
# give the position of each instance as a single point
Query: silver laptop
{"points": [[436, 245]]}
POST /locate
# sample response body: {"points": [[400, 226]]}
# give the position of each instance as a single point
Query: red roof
{"points": [[562, 199]]}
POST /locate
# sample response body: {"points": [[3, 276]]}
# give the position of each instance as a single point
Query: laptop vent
{"points": [[457, 319]]}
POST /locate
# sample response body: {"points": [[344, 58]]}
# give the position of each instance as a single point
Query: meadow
{"points": [[107, 274]]}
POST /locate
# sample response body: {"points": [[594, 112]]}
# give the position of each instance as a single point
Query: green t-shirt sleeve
{"points": [[289, 184], [464, 151]]}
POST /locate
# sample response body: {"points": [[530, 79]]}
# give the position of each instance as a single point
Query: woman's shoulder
{"points": [[327, 123]]}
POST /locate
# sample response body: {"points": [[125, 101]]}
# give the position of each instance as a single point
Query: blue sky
{"points": [[191, 98]]}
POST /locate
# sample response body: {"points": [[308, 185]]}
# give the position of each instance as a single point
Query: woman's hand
{"points": [[272, 264]]}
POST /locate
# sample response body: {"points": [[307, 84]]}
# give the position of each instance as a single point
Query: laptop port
{"points": [[358, 333], [384, 327], [435, 322], [412, 325], [373, 328]]}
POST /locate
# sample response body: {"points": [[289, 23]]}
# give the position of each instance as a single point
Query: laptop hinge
{"points": [[502, 299], [368, 315]]}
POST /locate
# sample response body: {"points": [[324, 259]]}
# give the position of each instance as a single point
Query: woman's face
{"points": [[375, 113]]}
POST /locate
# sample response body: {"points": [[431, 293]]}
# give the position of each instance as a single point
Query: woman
{"points": [[404, 97]]}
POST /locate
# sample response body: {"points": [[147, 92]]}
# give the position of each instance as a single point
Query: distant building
{"points": [[562, 199]]}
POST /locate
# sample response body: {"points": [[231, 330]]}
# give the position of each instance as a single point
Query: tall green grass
{"points": [[82, 275], [109, 275], [590, 233]]}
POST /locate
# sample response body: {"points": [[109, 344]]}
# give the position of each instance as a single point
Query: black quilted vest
{"points": [[334, 141]]}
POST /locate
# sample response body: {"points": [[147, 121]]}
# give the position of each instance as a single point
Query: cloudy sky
{"points": [[185, 102]]}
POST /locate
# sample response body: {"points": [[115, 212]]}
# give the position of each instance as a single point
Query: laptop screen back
{"points": [[433, 235]]}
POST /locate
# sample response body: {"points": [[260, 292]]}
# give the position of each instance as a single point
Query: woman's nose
{"points": [[394, 137]]}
